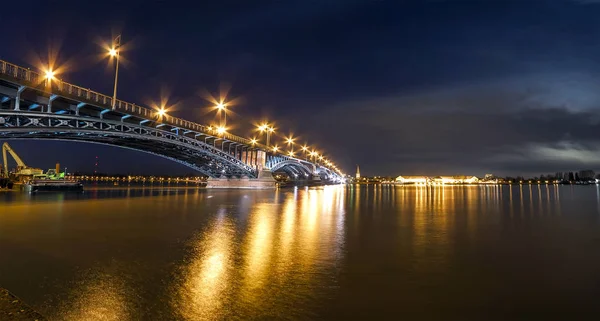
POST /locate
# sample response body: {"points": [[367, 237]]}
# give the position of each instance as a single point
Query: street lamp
{"points": [[221, 130], [115, 52], [268, 129], [305, 150], [275, 148], [221, 108], [253, 141], [49, 75], [290, 141]]}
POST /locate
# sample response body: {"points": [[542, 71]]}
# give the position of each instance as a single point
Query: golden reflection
{"points": [[100, 297], [309, 213], [530, 199], [522, 202], [548, 198], [206, 279], [540, 202], [510, 201], [288, 228], [287, 242], [259, 248]]}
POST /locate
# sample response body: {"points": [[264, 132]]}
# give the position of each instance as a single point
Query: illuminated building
{"points": [[416, 180]]}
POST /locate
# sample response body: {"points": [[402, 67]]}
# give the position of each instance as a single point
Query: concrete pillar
{"points": [[261, 159]]}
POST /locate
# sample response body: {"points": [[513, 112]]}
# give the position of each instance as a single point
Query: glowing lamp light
{"points": [[304, 148], [161, 112], [221, 130], [49, 74], [275, 148], [291, 153], [220, 106], [253, 141], [112, 52]]}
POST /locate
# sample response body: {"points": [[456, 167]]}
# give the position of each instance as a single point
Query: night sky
{"points": [[398, 87]]}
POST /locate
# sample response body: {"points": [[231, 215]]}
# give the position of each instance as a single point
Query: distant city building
{"points": [[442, 180], [357, 172], [437, 180], [416, 180]]}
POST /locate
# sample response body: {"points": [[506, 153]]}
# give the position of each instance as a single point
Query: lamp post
{"points": [[305, 151], [115, 52], [221, 109], [49, 77], [268, 129], [290, 141]]}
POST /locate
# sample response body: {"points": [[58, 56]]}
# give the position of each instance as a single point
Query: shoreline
{"points": [[12, 308]]}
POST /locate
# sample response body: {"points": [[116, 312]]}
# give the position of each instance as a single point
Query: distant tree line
{"points": [[580, 176]]}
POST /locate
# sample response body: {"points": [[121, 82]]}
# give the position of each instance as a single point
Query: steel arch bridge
{"points": [[32, 107]]}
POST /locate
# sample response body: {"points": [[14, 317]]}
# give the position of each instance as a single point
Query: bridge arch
{"points": [[293, 167], [182, 149]]}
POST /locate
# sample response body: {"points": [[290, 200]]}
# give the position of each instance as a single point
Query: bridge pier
{"points": [[265, 180]]}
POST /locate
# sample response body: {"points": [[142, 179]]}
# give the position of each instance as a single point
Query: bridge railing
{"points": [[39, 81], [19, 72]]}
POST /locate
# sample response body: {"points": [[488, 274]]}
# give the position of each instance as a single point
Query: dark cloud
{"points": [[498, 127]]}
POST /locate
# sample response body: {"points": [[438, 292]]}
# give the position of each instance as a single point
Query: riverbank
{"points": [[12, 308]]}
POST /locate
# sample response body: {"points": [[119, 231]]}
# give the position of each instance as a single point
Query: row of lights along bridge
{"points": [[221, 107]]}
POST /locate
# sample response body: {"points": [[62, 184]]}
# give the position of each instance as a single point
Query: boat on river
{"points": [[48, 185]]}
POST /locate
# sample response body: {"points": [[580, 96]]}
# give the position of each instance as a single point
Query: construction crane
{"points": [[22, 169]]}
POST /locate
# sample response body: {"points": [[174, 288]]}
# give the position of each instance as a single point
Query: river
{"points": [[372, 252]]}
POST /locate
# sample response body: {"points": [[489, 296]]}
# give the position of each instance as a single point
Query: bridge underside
{"points": [[191, 158], [294, 172]]}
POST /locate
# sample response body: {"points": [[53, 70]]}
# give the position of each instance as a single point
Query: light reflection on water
{"points": [[206, 278], [335, 252]]}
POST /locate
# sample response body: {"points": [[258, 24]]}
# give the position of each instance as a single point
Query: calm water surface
{"points": [[328, 253]]}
